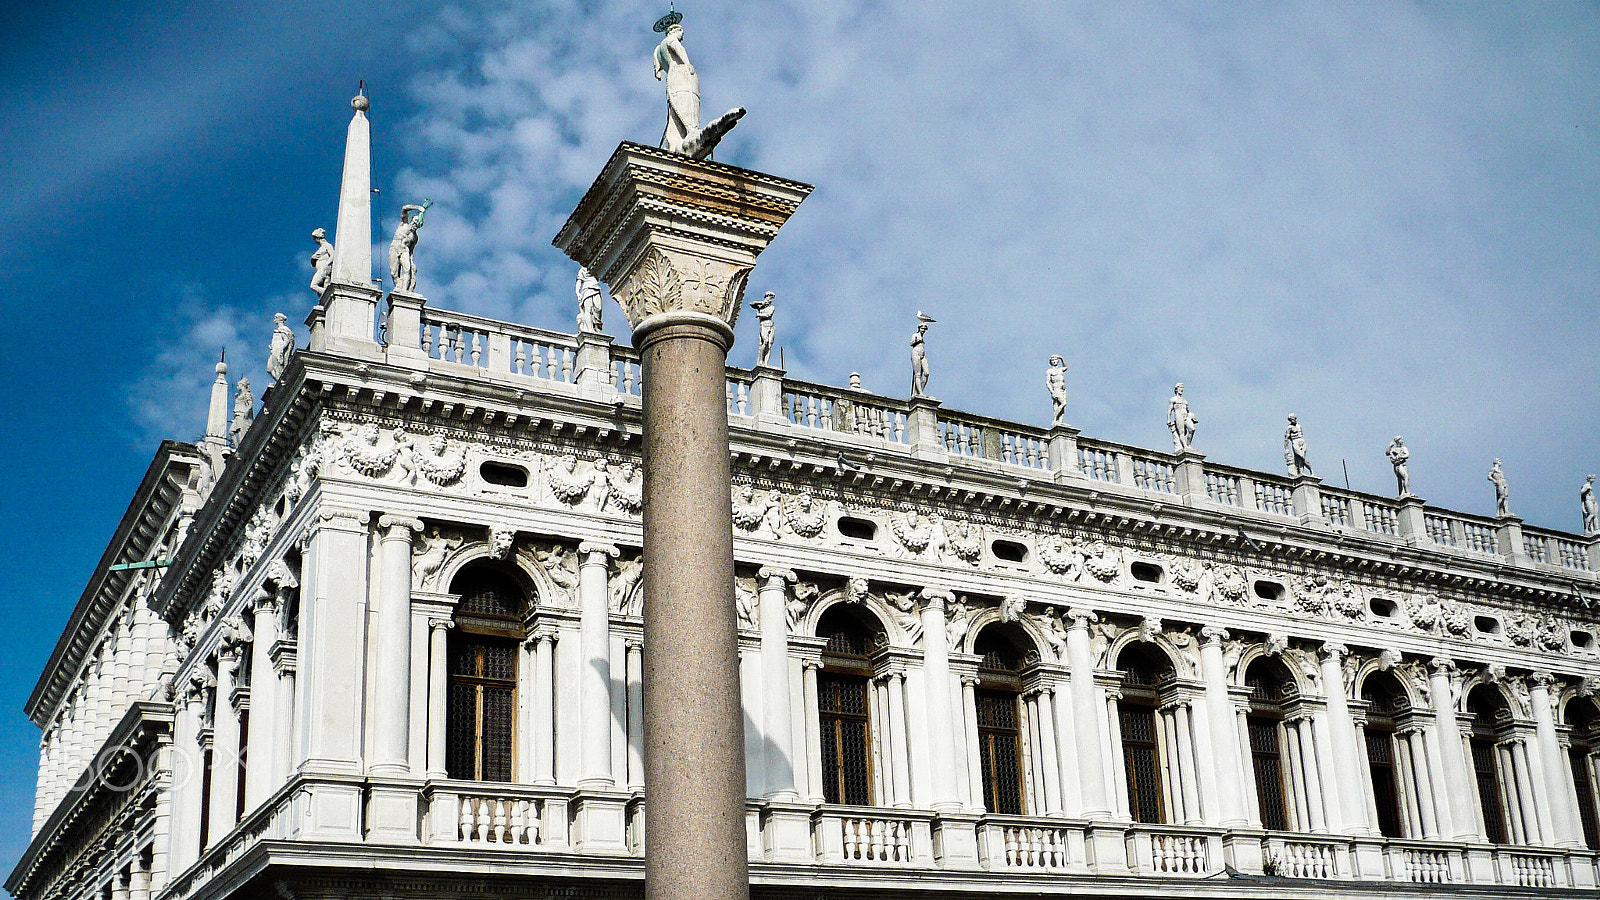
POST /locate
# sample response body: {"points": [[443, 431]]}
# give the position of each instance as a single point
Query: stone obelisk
{"points": [[675, 239]]}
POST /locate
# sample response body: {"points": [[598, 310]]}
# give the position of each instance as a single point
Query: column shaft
{"points": [[969, 703], [1563, 815], [438, 686], [635, 675], [1047, 746], [224, 753], [391, 713], [936, 696], [542, 705], [258, 775], [899, 743], [777, 720], [595, 682], [1352, 802], [1462, 791], [808, 671], [1085, 699]]}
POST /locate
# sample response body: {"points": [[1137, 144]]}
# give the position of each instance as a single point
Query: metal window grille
{"points": [[1385, 783], [1001, 751], [481, 703], [1140, 761], [1266, 754], [1488, 777], [1579, 755], [846, 761]]}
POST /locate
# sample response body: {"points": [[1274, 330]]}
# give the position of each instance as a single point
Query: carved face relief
{"points": [[501, 539]]}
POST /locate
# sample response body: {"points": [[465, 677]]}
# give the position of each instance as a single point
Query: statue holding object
{"points": [[1294, 448], [402, 250], [1399, 455], [683, 133], [1055, 380], [590, 306], [1180, 420], [321, 262], [764, 309]]}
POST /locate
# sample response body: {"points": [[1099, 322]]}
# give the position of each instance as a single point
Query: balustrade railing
{"points": [[1299, 857], [1021, 845], [500, 347], [964, 434], [873, 837], [1223, 488], [1170, 850], [1274, 498], [1439, 530], [1479, 537], [739, 395], [625, 373], [1527, 869], [1420, 865], [1379, 518], [1336, 510], [1571, 554], [502, 816], [1099, 464], [1155, 475]]}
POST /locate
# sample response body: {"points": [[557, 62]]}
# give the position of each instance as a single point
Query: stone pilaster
{"points": [[259, 771]]}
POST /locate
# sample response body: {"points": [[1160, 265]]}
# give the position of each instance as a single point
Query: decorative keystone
{"points": [[674, 235]]}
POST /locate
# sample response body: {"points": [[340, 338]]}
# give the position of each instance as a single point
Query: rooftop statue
{"points": [[919, 355], [684, 134], [321, 262], [402, 250], [281, 348], [1591, 509], [765, 308], [1502, 491], [1055, 379], [1180, 421], [1294, 448], [590, 307], [244, 412], [1399, 455]]}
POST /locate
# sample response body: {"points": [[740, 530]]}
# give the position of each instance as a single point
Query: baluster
{"points": [[811, 411], [519, 818], [848, 827], [566, 364], [1010, 837], [551, 366], [627, 378], [876, 840], [727, 390], [744, 400]]}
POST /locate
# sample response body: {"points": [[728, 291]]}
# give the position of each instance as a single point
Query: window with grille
{"points": [[1585, 785], [481, 706], [1385, 780], [846, 758], [244, 759], [1000, 749], [1266, 755], [1484, 705], [1140, 759]]}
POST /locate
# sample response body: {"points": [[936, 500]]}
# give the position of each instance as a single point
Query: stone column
{"points": [[1047, 749], [188, 775], [224, 748], [391, 725], [1563, 815], [284, 661], [808, 671], [1462, 792], [438, 691], [1085, 699], [936, 695], [969, 703], [775, 681], [898, 752], [258, 775], [1224, 759], [1347, 759], [543, 709], [635, 674], [681, 288], [594, 601]]}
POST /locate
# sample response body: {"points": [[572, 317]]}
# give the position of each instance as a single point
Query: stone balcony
{"points": [[484, 829]]}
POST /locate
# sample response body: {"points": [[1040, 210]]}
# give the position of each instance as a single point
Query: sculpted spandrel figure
{"points": [[764, 310], [321, 262], [1055, 379], [1502, 491], [1294, 448], [1399, 455], [281, 348], [402, 250], [1180, 421], [919, 356], [589, 302], [684, 134], [1591, 509]]}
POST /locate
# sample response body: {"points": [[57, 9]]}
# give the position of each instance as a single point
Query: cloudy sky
{"points": [[1381, 217]]}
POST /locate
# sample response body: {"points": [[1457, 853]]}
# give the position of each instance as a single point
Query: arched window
{"points": [[1144, 667], [1269, 686], [843, 701], [1386, 702], [480, 720], [998, 704], [1584, 720], [1485, 705]]}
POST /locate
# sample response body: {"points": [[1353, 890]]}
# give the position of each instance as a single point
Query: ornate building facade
{"points": [[387, 644]]}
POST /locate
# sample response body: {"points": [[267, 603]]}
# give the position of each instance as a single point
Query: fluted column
{"points": [[438, 689], [258, 774], [808, 672], [936, 690], [1563, 811], [391, 722], [1224, 760], [899, 744], [543, 708], [595, 683], [775, 682], [224, 748], [1049, 759], [1452, 753], [969, 704], [1085, 700], [1352, 801]]}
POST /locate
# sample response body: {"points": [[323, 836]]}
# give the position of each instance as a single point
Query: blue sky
{"points": [[1381, 217]]}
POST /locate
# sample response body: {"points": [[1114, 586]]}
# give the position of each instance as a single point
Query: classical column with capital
{"points": [[936, 694], [1562, 801], [258, 774], [1461, 789], [1347, 759], [1085, 699], [224, 806], [594, 574], [1220, 720], [675, 239], [391, 722], [778, 722], [438, 693]]}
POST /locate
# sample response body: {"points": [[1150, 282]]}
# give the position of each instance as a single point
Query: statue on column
{"points": [[281, 348], [1502, 491], [1399, 455], [1591, 509], [589, 302], [1294, 448], [764, 309], [1055, 380], [919, 355], [244, 411], [402, 250], [321, 262], [1180, 421], [683, 133]]}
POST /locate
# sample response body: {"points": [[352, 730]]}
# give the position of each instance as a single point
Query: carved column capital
{"points": [[436, 623], [1333, 650], [810, 664], [634, 645], [1441, 667], [1081, 618], [1541, 680], [937, 597], [347, 519], [1213, 636], [969, 681], [769, 574], [398, 528], [264, 602], [597, 553]]}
